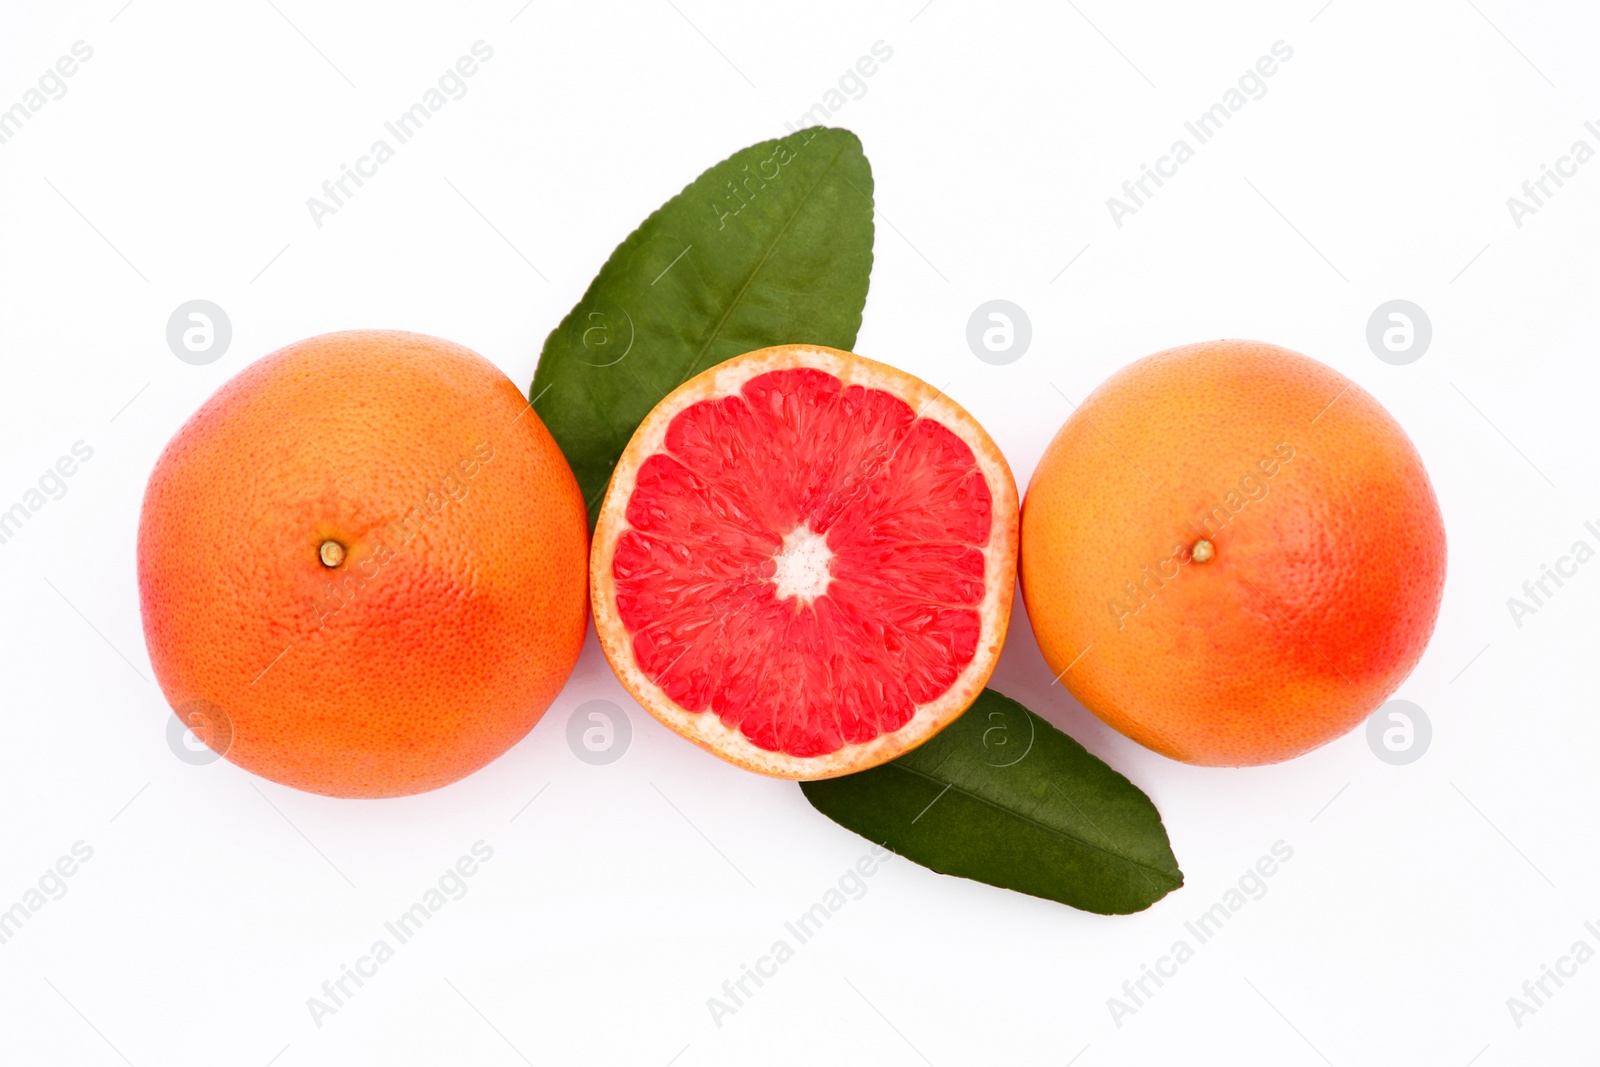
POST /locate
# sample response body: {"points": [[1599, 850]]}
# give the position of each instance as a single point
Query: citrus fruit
{"points": [[1231, 553], [804, 561], [361, 565]]}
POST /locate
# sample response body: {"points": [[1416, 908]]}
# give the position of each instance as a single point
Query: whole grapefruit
{"points": [[1231, 553], [804, 562], [362, 565]]}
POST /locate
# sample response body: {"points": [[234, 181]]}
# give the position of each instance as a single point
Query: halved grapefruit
{"points": [[804, 561]]}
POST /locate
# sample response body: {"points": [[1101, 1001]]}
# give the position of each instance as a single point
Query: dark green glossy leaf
{"points": [[771, 246], [1003, 797]]}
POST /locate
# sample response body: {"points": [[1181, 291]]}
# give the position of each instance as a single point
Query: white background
{"points": [[1377, 166]]}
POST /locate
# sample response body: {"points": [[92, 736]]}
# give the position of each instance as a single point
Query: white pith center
{"points": [[802, 565]]}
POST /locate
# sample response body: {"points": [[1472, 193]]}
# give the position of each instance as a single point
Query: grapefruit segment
{"points": [[804, 561]]}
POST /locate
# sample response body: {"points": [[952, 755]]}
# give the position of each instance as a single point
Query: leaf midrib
{"points": [[694, 365], [1057, 831]]}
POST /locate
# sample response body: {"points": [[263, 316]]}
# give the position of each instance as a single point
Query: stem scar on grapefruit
{"points": [[361, 565], [804, 561], [1231, 553]]}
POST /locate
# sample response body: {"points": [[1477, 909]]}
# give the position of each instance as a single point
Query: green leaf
{"points": [[771, 246], [1003, 797]]}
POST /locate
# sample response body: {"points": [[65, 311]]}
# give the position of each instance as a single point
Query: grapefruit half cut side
{"points": [[804, 561]]}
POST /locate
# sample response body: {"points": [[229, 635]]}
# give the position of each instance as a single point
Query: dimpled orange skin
{"points": [[1327, 566], [460, 604]]}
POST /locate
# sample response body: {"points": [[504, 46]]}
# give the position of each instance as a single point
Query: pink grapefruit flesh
{"points": [[804, 562]]}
